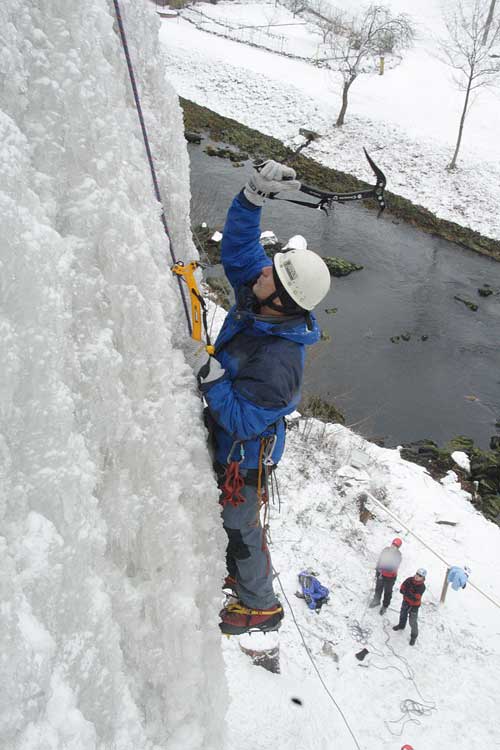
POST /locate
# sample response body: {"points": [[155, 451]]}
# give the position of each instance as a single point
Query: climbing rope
{"points": [[410, 709], [149, 155], [308, 652]]}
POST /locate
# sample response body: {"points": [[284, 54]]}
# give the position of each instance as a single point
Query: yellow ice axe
{"points": [[198, 306]]}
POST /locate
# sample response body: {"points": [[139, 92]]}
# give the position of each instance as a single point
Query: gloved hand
{"points": [[377, 574], [207, 369], [270, 177]]}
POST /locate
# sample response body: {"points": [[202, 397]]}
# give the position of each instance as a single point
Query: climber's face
{"points": [[264, 286]]}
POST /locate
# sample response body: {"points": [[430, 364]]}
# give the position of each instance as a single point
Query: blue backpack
{"points": [[313, 592]]}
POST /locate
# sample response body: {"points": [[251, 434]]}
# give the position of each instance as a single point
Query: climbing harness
{"points": [[327, 199]]}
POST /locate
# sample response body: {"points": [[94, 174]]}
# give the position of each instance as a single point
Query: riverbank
{"points": [[259, 145]]}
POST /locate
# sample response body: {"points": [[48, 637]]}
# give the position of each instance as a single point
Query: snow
{"points": [[406, 122], [461, 459], [111, 547]]}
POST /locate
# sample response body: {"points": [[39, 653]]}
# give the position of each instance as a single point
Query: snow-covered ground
{"points": [[111, 549], [408, 118]]}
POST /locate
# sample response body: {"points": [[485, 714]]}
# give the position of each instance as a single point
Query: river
{"points": [[446, 385]]}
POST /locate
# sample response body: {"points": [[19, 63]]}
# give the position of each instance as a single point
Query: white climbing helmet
{"points": [[422, 573], [304, 274]]}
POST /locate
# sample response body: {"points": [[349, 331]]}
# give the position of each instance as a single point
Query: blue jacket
{"points": [[457, 577], [263, 356]]}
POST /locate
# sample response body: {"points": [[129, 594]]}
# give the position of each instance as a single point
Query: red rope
{"points": [[233, 484]]}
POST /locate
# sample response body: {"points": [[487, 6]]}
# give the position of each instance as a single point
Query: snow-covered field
{"points": [[111, 549], [408, 118]]}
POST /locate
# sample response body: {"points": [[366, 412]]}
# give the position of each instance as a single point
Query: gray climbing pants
{"points": [[409, 613], [247, 557]]}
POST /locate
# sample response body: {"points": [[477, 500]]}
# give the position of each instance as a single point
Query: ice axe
{"points": [[327, 199]]}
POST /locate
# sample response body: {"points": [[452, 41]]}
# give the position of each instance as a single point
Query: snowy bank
{"points": [[393, 116]]}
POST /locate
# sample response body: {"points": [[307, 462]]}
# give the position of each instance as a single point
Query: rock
{"points": [[192, 137], [268, 238], [485, 291], [406, 336], [395, 339], [495, 443], [331, 310], [340, 267], [424, 337], [471, 305], [309, 134]]}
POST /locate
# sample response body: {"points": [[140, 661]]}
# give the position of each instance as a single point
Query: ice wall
{"points": [[110, 543]]}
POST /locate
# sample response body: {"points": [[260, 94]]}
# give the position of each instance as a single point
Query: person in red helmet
{"points": [[386, 573]]}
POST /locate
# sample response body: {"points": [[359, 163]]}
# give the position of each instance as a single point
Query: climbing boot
{"points": [[383, 610], [374, 603], [398, 627], [229, 585], [237, 619], [412, 640]]}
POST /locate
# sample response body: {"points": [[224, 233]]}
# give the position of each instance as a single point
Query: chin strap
{"points": [[326, 199]]}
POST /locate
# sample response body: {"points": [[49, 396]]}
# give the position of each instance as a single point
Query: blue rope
{"points": [[148, 148]]}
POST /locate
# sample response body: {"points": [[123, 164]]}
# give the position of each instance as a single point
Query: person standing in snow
{"points": [[412, 589], [386, 573], [253, 381]]}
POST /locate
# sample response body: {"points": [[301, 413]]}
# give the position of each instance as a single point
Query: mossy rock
{"points": [[495, 442], [471, 305], [319, 408], [460, 443], [485, 291], [341, 267]]}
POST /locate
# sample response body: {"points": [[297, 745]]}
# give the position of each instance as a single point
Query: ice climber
{"points": [[253, 381], [386, 573], [412, 589]]}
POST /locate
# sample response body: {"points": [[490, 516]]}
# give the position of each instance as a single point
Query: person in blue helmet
{"points": [[253, 381]]}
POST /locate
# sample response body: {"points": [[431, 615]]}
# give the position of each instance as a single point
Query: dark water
{"points": [[439, 388]]}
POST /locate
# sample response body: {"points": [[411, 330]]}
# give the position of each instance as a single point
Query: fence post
{"points": [[445, 586]]}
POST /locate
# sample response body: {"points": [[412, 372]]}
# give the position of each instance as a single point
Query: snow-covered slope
{"points": [[408, 117], [111, 548], [451, 673]]}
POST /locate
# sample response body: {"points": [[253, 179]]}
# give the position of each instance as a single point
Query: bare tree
{"points": [[471, 59], [358, 41], [322, 16], [491, 14]]}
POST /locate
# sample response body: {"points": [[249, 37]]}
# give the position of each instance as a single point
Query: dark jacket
{"points": [[263, 356], [412, 591]]}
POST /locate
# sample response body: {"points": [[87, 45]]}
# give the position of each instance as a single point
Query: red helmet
{"points": [[397, 542], [407, 747]]}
